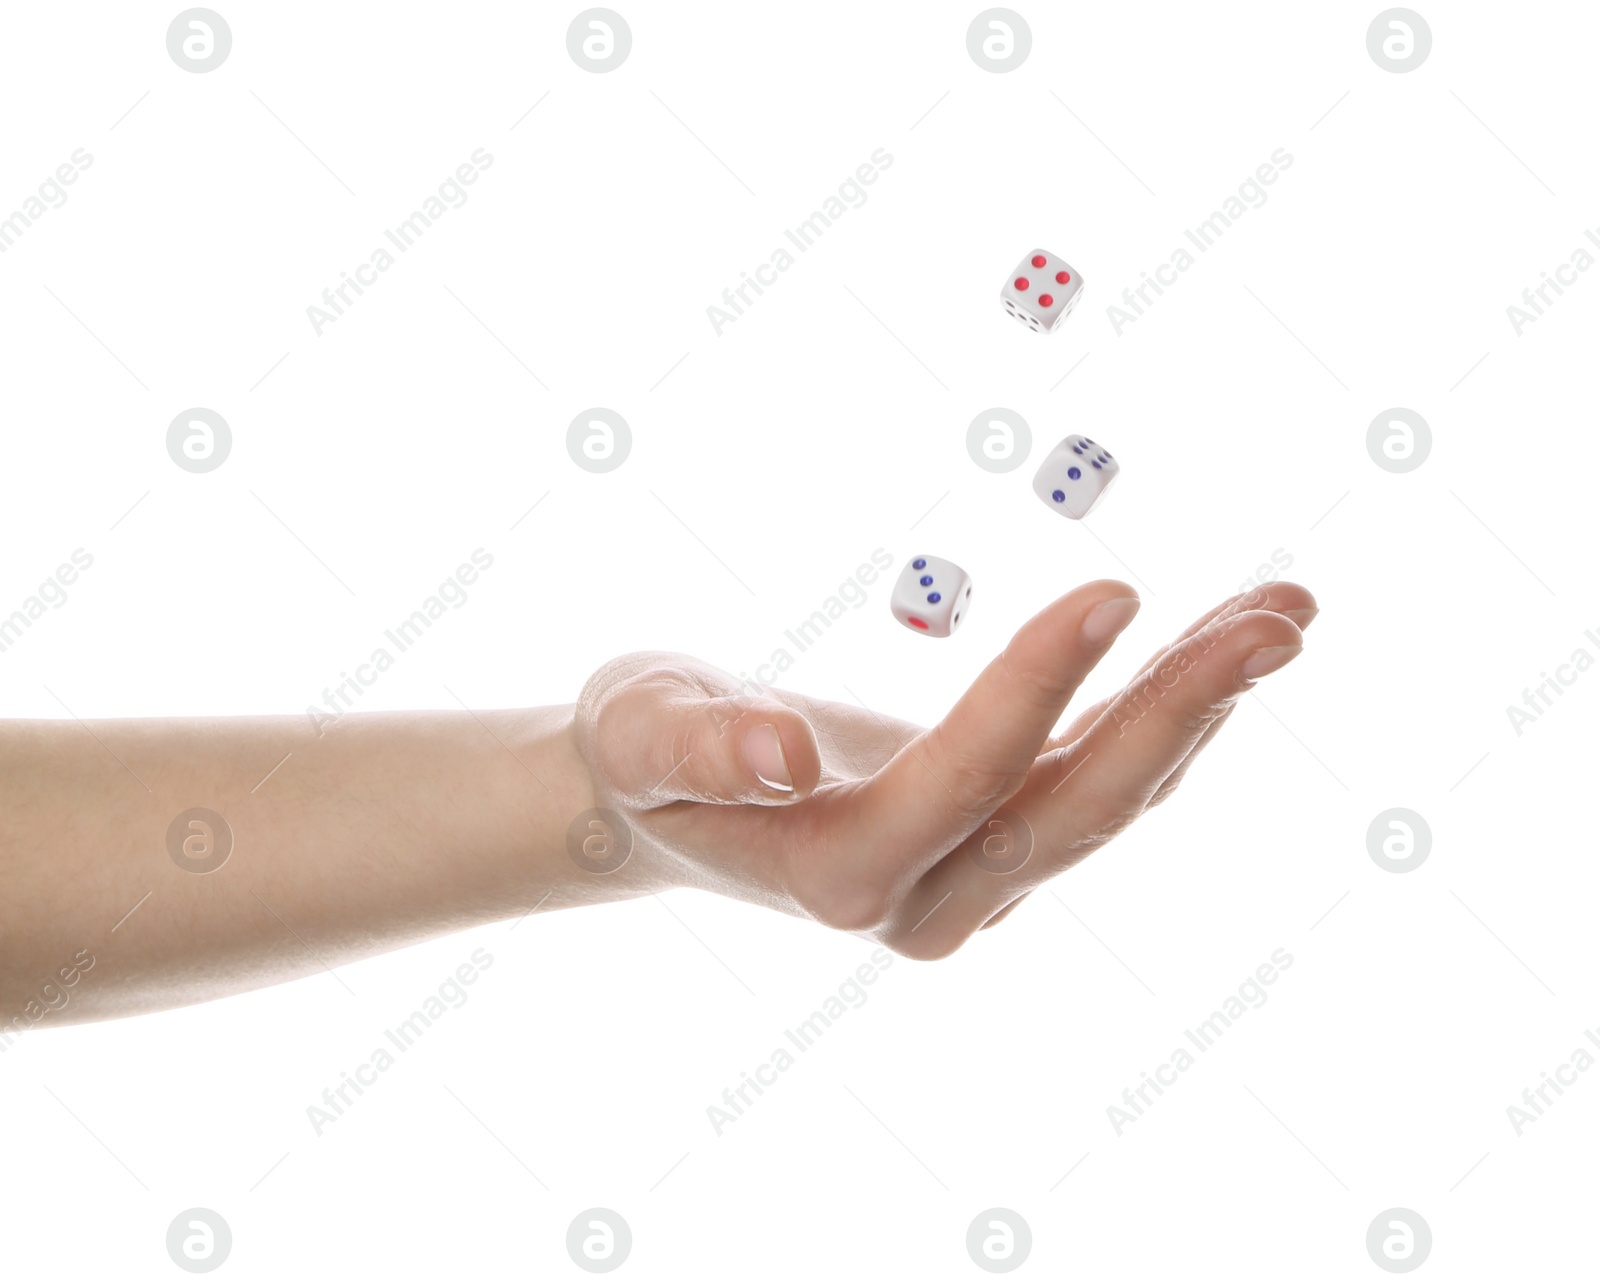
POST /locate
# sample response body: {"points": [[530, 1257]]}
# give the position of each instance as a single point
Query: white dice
{"points": [[931, 596], [1042, 291], [1074, 475]]}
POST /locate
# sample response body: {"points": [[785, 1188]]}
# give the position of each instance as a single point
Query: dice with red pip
{"points": [[931, 595], [1041, 291]]}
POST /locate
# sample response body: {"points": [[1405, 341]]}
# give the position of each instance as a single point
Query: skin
{"points": [[385, 829]]}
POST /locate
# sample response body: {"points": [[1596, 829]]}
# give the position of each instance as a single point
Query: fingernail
{"points": [[763, 753], [1268, 660], [1109, 618]]}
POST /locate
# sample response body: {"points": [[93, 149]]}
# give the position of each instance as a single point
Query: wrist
{"points": [[583, 850]]}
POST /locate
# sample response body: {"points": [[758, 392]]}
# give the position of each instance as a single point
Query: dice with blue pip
{"points": [[931, 596], [1074, 475]]}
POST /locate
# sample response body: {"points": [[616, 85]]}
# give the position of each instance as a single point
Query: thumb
{"points": [[660, 738]]}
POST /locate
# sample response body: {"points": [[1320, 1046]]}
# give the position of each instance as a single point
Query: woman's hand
{"points": [[918, 838], [326, 844]]}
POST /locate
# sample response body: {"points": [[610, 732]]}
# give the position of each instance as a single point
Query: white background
{"points": [[767, 463]]}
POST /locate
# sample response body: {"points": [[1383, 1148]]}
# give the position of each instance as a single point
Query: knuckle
{"points": [[1092, 838], [1170, 784], [977, 789], [1164, 791], [860, 908], [974, 786], [1188, 711], [1041, 684], [1196, 719], [1097, 820]]}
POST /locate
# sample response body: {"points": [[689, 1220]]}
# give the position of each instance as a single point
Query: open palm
{"points": [[919, 838]]}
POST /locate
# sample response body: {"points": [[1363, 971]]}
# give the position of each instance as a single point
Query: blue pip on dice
{"points": [[932, 594]]}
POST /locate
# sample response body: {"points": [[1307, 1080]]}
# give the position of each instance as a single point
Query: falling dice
{"points": [[1042, 291], [931, 596], [1074, 475]]}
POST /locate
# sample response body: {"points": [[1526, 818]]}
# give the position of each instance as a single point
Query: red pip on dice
{"points": [[932, 594], [1041, 291]]}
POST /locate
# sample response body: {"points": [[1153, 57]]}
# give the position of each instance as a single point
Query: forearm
{"points": [[383, 830]]}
